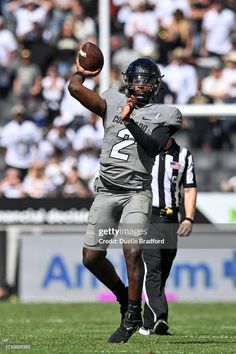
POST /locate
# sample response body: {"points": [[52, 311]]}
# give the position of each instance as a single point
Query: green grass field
{"points": [[84, 328]]}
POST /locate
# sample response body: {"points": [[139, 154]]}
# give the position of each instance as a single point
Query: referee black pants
{"points": [[158, 259]]}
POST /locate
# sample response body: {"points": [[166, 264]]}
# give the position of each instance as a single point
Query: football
{"points": [[91, 57]]}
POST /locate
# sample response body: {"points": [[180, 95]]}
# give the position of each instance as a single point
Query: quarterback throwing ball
{"points": [[136, 130]]}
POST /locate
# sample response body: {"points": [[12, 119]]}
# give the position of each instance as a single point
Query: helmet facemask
{"points": [[142, 86]]}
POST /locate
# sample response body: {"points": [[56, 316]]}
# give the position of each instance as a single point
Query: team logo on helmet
{"points": [[141, 70]]}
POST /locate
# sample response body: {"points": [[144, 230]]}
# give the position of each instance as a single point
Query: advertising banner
{"points": [[51, 211], [218, 208], [51, 270], [212, 208]]}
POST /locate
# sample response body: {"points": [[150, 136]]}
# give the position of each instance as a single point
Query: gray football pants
{"points": [[126, 211]]}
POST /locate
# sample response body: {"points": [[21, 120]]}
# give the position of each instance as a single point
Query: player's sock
{"points": [[134, 306], [119, 290], [121, 293]]}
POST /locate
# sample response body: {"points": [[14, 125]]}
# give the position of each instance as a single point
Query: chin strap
{"points": [[141, 100]]}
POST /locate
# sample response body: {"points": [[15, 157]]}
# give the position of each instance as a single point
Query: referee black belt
{"points": [[165, 213]]}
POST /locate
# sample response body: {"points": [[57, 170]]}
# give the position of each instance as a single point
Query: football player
{"points": [[136, 130]]}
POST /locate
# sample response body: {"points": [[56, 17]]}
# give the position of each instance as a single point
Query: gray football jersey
{"points": [[124, 163]]}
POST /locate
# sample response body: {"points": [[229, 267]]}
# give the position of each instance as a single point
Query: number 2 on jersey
{"points": [[128, 141]]}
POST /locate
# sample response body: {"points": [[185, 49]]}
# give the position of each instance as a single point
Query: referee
{"points": [[173, 177]]}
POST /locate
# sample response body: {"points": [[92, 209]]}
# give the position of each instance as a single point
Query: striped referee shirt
{"points": [[173, 170]]}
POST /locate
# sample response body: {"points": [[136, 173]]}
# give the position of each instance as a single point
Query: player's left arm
{"points": [[154, 143]]}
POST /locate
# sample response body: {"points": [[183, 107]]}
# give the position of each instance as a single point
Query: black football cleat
{"points": [[145, 331], [161, 327], [128, 327]]}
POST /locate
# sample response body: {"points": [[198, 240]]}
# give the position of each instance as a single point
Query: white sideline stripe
{"points": [[82, 53], [11, 320], [228, 327], [145, 291]]}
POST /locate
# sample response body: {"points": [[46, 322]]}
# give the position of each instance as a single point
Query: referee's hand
{"points": [[185, 228]]}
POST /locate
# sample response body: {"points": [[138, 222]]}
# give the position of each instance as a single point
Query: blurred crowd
{"points": [[50, 143]]}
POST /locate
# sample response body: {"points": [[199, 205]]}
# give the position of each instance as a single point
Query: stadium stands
{"points": [[39, 46]]}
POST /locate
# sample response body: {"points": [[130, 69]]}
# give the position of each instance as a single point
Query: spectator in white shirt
{"points": [[19, 139], [60, 136], [52, 85], [71, 108], [52, 91], [215, 85], [54, 171], [45, 150], [8, 50], [8, 46], [87, 145], [142, 26], [217, 29], [164, 10], [28, 12], [181, 77], [122, 9], [84, 26]]}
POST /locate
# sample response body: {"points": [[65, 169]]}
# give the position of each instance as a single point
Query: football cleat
{"points": [[145, 331], [128, 327], [161, 327]]}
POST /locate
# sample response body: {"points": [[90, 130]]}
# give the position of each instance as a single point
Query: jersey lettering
{"points": [[118, 119]]}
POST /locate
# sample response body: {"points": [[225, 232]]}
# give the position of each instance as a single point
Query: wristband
{"points": [[80, 74], [189, 219]]}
